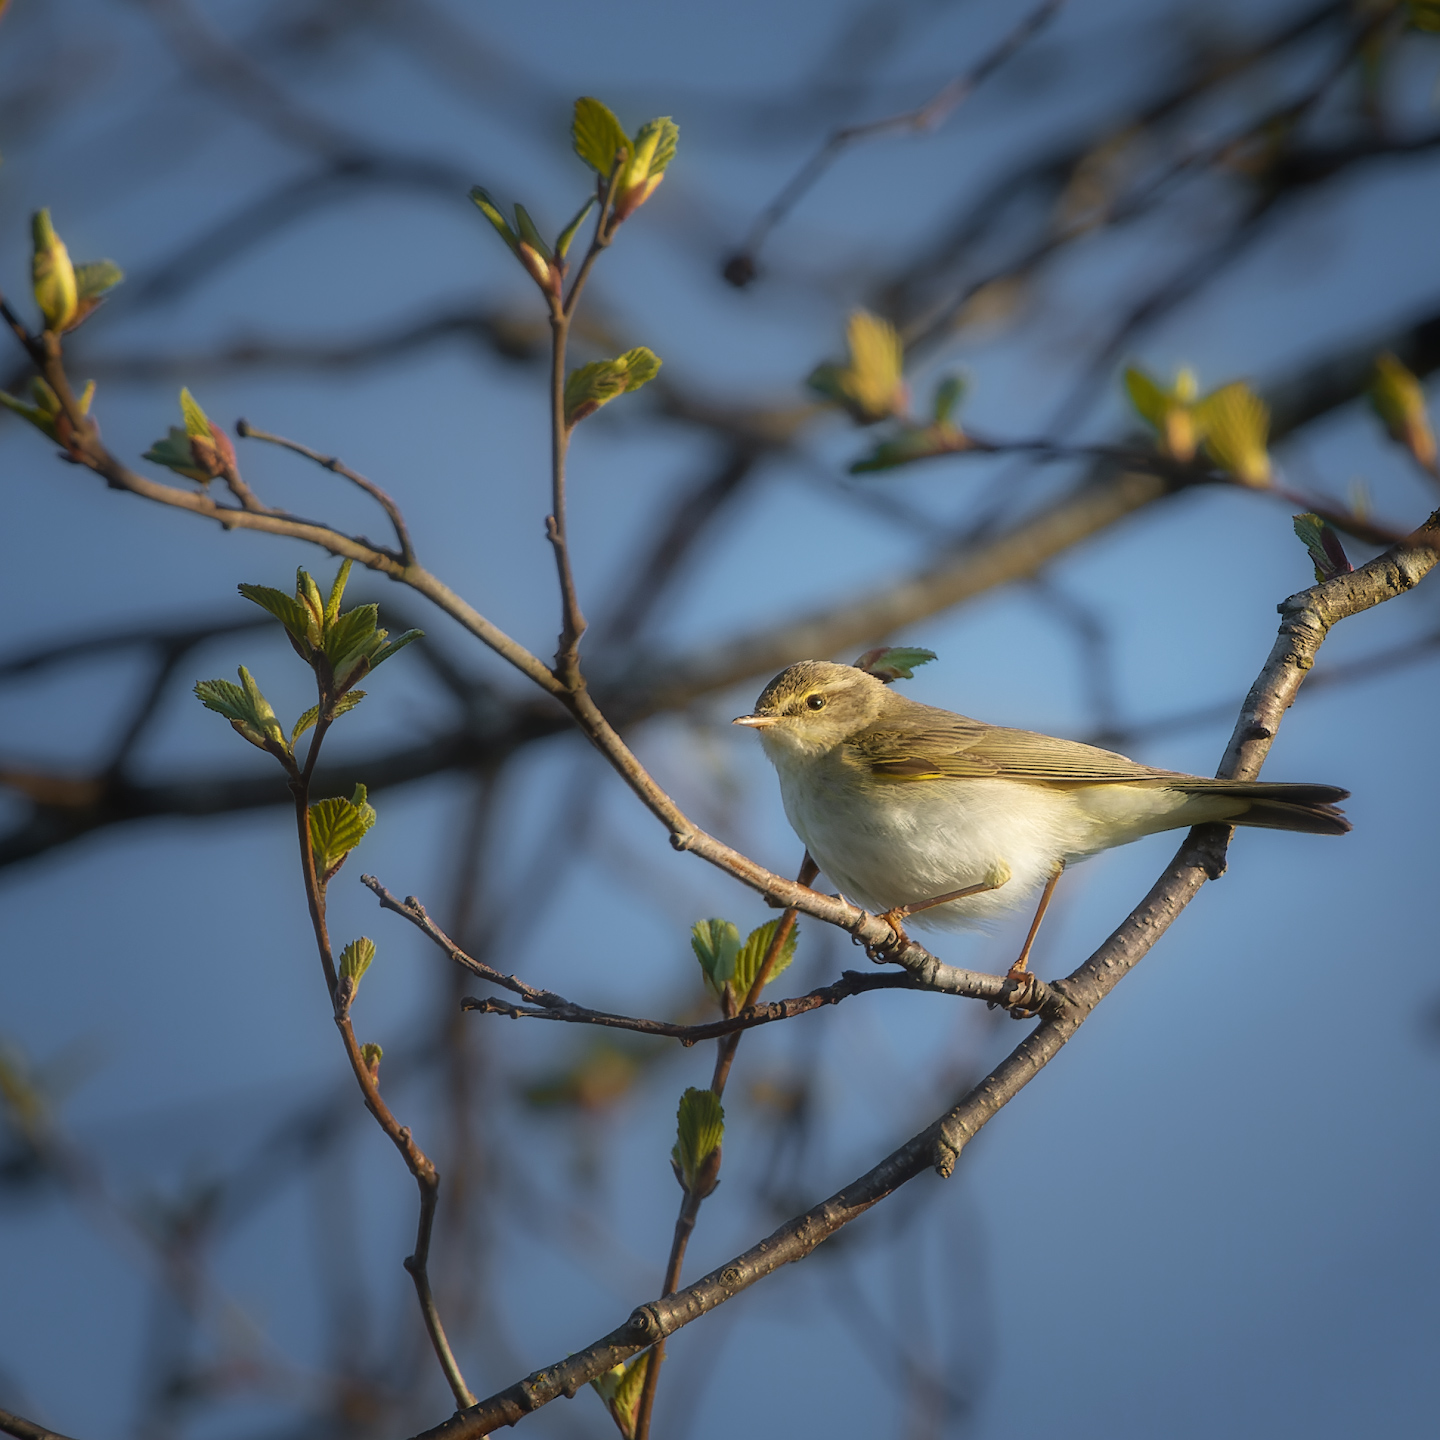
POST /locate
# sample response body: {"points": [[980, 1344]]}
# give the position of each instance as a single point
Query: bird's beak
{"points": [[756, 721]]}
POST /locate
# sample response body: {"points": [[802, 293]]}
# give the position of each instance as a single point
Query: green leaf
{"points": [[715, 943], [391, 647], [655, 143], [911, 443], [1149, 399], [355, 960], [894, 662], [700, 1129], [529, 234], [294, 616], [562, 245], [1236, 422], [597, 135], [598, 383], [947, 396], [52, 274], [337, 826], [175, 454], [752, 955], [1327, 554], [196, 421], [621, 1389], [348, 701], [247, 710], [491, 212], [871, 386], [350, 631], [337, 593], [1399, 400], [372, 1055], [93, 279]]}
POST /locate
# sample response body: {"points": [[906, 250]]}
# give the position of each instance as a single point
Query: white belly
{"points": [[910, 841]]}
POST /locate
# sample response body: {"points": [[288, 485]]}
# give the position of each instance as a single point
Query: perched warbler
{"points": [[912, 810]]}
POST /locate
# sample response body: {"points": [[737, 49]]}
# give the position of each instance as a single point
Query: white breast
{"points": [[907, 842]]}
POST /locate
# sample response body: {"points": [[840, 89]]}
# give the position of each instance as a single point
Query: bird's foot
{"points": [[894, 918]]}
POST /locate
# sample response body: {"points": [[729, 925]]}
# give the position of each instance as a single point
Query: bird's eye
{"points": [[815, 702]]}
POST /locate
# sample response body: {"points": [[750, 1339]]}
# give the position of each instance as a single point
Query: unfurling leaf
{"points": [[52, 275], [598, 383], [1399, 400], [47, 414], [293, 614], [348, 701], [653, 148], [752, 954], [247, 710], [597, 135], [871, 387], [524, 241], [911, 443], [355, 960], [1327, 554], [201, 451], [1235, 422], [337, 826], [894, 662], [621, 1389], [372, 1054], [715, 943], [1171, 413], [699, 1129]]}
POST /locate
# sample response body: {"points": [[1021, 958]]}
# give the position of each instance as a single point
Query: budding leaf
{"points": [[351, 631], [621, 1389], [247, 710], [1327, 554], [201, 451], [1172, 413], [598, 383], [597, 135], [491, 212], [1399, 400], [337, 592], [47, 414], [752, 955], [372, 1055], [871, 386], [715, 943], [1236, 424], [894, 662], [562, 245], [52, 274], [347, 701], [337, 826], [290, 612], [355, 960], [700, 1128]]}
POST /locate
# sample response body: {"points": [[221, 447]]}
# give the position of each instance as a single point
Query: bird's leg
{"points": [[998, 876], [1018, 968]]}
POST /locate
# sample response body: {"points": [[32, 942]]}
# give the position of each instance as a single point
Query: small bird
{"points": [[916, 811]]}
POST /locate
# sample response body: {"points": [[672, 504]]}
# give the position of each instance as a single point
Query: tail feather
{"points": [[1281, 806]]}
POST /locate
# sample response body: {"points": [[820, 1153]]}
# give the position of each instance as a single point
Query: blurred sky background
{"points": [[1211, 1215]]}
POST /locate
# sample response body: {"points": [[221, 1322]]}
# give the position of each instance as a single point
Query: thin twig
{"points": [[23, 1429], [740, 267], [247, 431]]}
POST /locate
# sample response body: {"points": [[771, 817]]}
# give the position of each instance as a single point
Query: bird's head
{"points": [[814, 706]]}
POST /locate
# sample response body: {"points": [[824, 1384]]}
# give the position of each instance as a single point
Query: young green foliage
{"points": [[337, 826], [1171, 413], [355, 960], [247, 710], [870, 387], [699, 1129], [598, 383], [751, 956], [1235, 422], [66, 293], [894, 662], [716, 944], [47, 414], [201, 451], [601, 142], [1327, 554], [621, 1388], [525, 241], [372, 1054], [342, 648], [1399, 400]]}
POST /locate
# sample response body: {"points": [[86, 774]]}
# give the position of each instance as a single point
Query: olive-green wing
{"points": [[941, 746]]}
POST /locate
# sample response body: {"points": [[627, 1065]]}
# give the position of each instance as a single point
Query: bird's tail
{"points": [[1278, 806]]}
